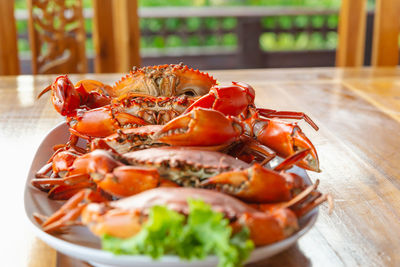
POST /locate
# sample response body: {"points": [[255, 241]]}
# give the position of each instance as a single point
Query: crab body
{"points": [[149, 95]]}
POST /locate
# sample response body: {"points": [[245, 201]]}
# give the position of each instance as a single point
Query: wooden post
{"points": [[350, 52], [126, 34], [103, 36], [9, 64], [33, 39], [249, 32], [385, 45]]}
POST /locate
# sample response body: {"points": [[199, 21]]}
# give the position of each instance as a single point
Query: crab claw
{"points": [[200, 127], [113, 177], [126, 181], [94, 86], [63, 160], [286, 139], [97, 93], [107, 173], [101, 122], [266, 228], [66, 99], [98, 161], [231, 100], [255, 184]]}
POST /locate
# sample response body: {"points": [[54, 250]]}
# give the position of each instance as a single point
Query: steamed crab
{"points": [[166, 95]]}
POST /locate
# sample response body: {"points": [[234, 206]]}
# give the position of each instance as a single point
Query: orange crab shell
{"points": [[163, 80]]}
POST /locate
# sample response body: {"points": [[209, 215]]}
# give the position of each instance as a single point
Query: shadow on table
{"points": [[66, 261], [290, 257]]}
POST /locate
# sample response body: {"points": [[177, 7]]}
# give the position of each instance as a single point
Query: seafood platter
{"points": [[167, 167]]}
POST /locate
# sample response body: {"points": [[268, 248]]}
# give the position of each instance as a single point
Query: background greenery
{"points": [[268, 41]]}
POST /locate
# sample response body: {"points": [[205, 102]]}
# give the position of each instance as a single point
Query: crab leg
{"points": [[66, 191], [252, 146], [271, 113], [292, 160], [71, 210]]}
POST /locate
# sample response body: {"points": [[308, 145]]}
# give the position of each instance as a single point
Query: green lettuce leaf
{"points": [[203, 233]]}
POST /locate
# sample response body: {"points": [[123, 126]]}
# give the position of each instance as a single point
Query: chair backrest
{"points": [[57, 36], [385, 45], [9, 64]]}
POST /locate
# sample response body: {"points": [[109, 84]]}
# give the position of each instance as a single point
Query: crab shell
{"points": [[181, 164], [154, 110], [176, 199], [186, 166], [179, 156], [164, 80], [123, 218]]}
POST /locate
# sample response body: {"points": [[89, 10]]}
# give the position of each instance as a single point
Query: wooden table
{"points": [[357, 110]]}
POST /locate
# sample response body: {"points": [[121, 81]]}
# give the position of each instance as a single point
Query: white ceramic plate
{"points": [[81, 244]]}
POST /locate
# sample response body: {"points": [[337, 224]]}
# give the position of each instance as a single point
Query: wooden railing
{"points": [[247, 51]]}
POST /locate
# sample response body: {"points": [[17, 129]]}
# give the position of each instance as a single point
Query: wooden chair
{"points": [[9, 64], [116, 35], [385, 45], [57, 36]]}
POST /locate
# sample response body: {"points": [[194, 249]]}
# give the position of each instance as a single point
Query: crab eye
{"points": [[189, 93]]}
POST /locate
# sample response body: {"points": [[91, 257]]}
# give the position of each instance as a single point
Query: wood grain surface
{"points": [[357, 110]]}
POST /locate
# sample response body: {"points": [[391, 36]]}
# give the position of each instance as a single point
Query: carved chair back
{"points": [[57, 36]]}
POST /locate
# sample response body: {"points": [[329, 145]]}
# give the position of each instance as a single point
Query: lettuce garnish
{"points": [[203, 232]]}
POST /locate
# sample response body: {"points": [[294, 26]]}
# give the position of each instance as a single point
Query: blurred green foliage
{"points": [[268, 41]]}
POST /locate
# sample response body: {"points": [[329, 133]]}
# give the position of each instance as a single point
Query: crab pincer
{"points": [[201, 127], [231, 100], [67, 98], [255, 184], [286, 139]]}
